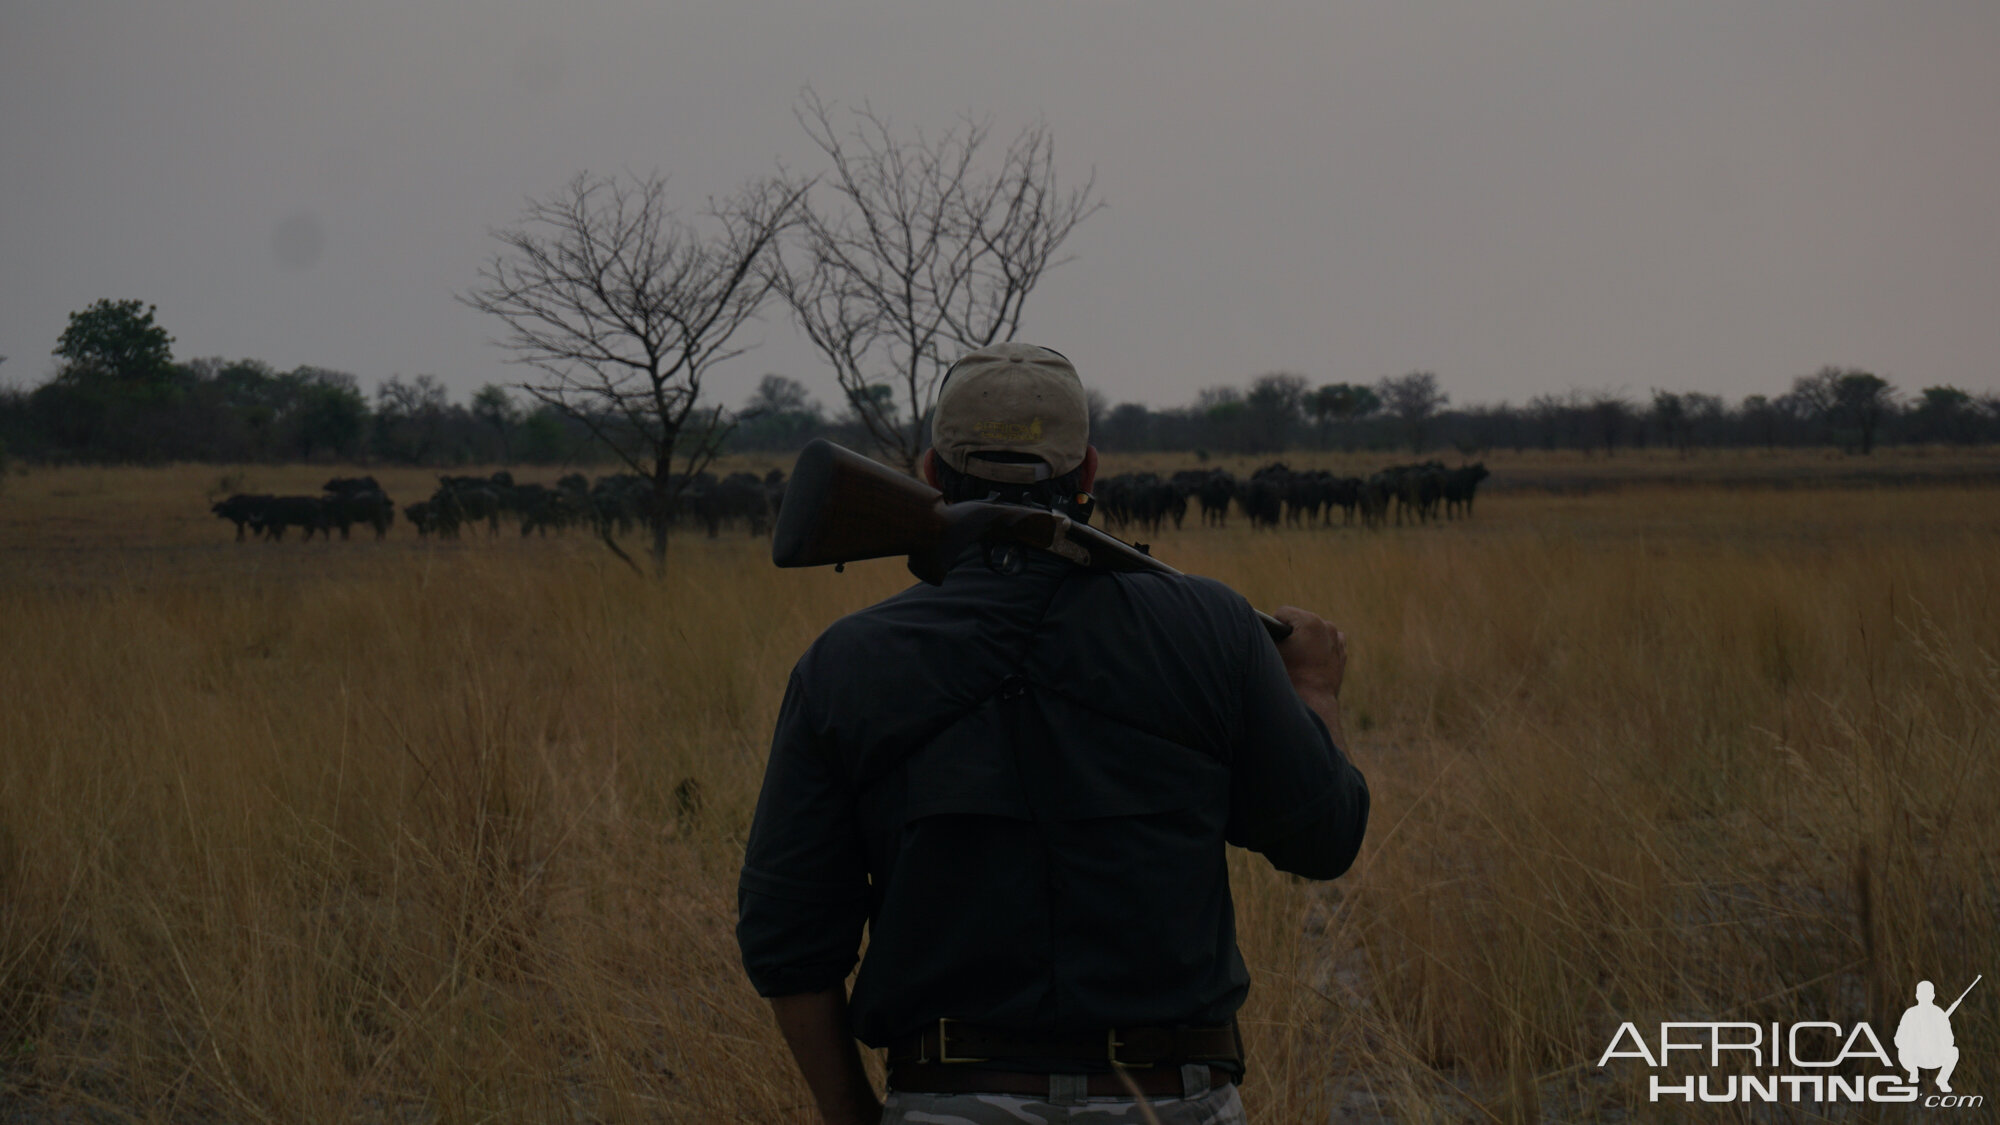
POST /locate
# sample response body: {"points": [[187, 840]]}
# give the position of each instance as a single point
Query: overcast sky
{"points": [[1522, 197]]}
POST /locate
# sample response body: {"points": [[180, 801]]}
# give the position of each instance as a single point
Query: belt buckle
{"points": [[944, 1047]]}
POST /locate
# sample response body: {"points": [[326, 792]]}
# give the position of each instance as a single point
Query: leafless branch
{"points": [[912, 251], [623, 308]]}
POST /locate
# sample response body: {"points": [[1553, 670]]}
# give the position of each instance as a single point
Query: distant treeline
{"points": [[243, 410], [118, 396], [1844, 408]]}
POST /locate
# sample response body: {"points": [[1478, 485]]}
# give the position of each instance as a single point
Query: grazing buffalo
{"points": [[243, 509], [1263, 500], [471, 499], [1373, 499], [1142, 498], [1273, 496], [1215, 492], [1344, 493], [619, 502], [1460, 484], [774, 492], [442, 515], [745, 497], [1307, 494], [1430, 490], [1113, 499], [1409, 493], [1416, 489], [359, 500], [544, 509], [372, 509], [1164, 500], [1263, 496], [308, 512]]}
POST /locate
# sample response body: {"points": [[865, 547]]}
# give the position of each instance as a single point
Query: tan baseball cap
{"points": [[1014, 398]]}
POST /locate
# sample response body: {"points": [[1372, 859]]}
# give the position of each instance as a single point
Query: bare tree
{"points": [[408, 416], [1413, 398], [623, 308], [915, 249], [1812, 398]]}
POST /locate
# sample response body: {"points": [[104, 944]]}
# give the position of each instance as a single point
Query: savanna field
{"points": [[423, 831]]}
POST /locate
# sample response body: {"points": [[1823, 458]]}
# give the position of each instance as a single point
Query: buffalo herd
{"points": [[1275, 496], [344, 502], [1272, 497], [617, 503]]}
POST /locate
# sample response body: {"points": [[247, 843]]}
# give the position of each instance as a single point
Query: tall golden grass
{"points": [[449, 832]]}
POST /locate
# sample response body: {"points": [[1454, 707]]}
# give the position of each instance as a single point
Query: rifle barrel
{"points": [[1962, 995], [1135, 559], [842, 507]]}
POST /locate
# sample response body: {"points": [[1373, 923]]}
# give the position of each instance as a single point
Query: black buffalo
{"points": [[244, 510], [1460, 484], [308, 512]]}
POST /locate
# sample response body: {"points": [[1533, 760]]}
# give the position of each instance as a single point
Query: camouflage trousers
{"points": [[1218, 1106]]}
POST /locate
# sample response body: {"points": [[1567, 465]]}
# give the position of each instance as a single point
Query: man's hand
{"points": [[1315, 658], [815, 1027]]}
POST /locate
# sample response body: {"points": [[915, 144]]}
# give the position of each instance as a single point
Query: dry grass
{"points": [[402, 831]]}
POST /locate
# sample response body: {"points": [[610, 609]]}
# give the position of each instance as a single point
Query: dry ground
{"points": [[448, 832]]}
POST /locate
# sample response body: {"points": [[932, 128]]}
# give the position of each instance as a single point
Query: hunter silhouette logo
{"points": [[1923, 1039], [1812, 1062]]}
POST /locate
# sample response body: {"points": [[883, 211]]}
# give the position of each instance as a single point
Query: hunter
{"points": [[1021, 783]]}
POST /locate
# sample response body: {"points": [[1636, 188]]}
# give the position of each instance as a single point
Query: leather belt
{"points": [[950, 1041], [940, 1078]]}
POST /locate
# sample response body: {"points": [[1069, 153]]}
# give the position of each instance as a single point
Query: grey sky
{"points": [[1522, 197]]}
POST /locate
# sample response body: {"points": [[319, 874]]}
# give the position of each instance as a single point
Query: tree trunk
{"points": [[660, 514]]}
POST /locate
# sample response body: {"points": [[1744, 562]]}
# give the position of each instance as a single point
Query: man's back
{"points": [[1024, 782]]}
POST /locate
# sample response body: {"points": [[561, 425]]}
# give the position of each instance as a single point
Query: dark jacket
{"points": [[1023, 785]]}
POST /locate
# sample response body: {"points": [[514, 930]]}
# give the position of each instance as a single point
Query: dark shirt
{"points": [[1023, 784]]}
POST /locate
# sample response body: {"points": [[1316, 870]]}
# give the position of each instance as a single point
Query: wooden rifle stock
{"points": [[841, 507]]}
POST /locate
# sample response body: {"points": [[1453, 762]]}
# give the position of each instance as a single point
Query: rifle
{"points": [[1963, 995], [841, 507]]}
